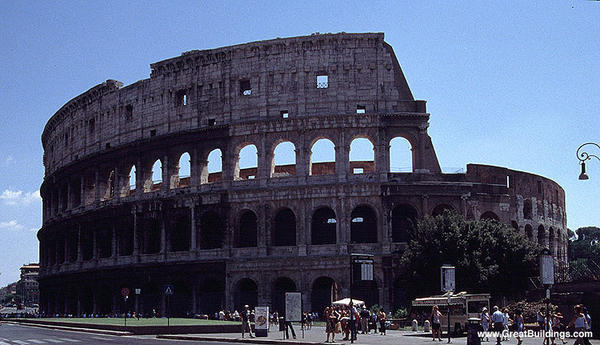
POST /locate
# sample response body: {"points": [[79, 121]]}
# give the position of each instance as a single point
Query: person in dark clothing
{"points": [[245, 316]]}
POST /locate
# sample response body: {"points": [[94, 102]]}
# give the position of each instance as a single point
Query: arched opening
{"points": [[404, 219], [551, 239], [125, 236], [185, 170], [514, 225], [323, 226], [401, 159], [322, 157], [284, 160], [323, 292], [439, 209], [367, 291], [247, 163], [541, 235], [212, 231], [529, 232], [179, 233], [489, 215], [246, 292], [104, 300], [213, 171], [363, 225], [284, 229], [104, 241], [151, 298], [248, 230], [108, 188], [362, 156], [527, 209], [157, 175], [150, 236], [132, 180], [399, 294], [280, 287], [211, 296]]}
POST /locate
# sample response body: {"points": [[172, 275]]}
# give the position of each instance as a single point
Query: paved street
{"points": [[317, 335], [27, 335]]}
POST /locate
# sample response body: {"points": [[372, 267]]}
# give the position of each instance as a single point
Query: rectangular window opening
{"points": [[181, 98], [245, 88], [322, 81], [129, 112], [357, 171], [507, 181], [153, 132], [361, 109], [92, 125], [285, 114], [211, 122]]}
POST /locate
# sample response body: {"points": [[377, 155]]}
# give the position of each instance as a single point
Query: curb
{"points": [[236, 340], [76, 329]]}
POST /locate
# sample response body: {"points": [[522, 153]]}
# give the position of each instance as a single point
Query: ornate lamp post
{"points": [[547, 279], [584, 156]]}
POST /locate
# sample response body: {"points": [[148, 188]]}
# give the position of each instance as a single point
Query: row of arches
{"points": [[323, 291], [283, 163]]}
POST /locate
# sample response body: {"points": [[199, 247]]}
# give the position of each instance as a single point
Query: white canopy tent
{"points": [[346, 302]]}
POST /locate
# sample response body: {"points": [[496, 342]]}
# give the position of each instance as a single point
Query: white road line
{"points": [[36, 341], [54, 340], [70, 340], [3, 343], [20, 342], [101, 338]]}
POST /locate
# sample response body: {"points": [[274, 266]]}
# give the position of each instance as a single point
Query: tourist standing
{"points": [[519, 323], [364, 320], [579, 322], [245, 316], [382, 319], [498, 322], [485, 322], [436, 323]]}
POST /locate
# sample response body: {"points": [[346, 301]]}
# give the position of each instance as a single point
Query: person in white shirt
{"points": [[485, 321], [498, 322], [505, 321]]}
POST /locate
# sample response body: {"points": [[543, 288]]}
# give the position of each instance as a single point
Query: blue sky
{"points": [[508, 83]]}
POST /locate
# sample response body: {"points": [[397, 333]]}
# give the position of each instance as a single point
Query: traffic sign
{"points": [[124, 292], [168, 289]]}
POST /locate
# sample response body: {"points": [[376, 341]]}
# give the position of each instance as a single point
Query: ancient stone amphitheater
{"points": [[238, 235]]}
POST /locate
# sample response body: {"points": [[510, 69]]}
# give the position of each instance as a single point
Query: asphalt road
{"points": [[27, 335]]}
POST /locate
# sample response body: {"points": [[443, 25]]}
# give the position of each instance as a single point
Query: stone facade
{"points": [[235, 236], [27, 286]]}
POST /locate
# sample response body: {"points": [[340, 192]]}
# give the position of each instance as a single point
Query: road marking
{"points": [[20, 342], [36, 341], [54, 340], [101, 338], [69, 340], [3, 343]]}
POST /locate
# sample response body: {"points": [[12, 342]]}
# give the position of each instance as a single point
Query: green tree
{"points": [[489, 256], [584, 254]]}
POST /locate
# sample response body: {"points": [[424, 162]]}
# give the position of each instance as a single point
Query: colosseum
{"points": [[144, 189]]}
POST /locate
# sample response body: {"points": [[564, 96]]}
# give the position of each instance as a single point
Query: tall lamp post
{"points": [[584, 156], [547, 279]]}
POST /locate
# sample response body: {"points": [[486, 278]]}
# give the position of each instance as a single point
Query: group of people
{"points": [[349, 320], [549, 322]]}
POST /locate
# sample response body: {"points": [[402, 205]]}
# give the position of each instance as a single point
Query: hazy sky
{"points": [[508, 83]]}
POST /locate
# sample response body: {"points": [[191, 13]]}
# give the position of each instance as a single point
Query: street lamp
{"points": [[584, 156], [448, 284]]}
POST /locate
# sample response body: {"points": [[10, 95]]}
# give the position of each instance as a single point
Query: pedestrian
{"points": [[245, 316], [580, 323], [557, 325], [485, 322], [519, 323], [498, 322], [588, 323], [331, 320], [436, 318], [382, 319], [505, 322], [364, 320]]}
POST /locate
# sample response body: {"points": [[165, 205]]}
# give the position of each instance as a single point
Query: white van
{"points": [[462, 307]]}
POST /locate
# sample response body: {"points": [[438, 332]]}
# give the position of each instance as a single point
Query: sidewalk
{"points": [[317, 336]]}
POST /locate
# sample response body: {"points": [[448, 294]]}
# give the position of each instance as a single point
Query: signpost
{"points": [[363, 263], [168, 290], [448, 284], [547, 279], [125, 294]]}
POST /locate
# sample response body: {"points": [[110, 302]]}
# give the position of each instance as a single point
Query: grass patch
{"points": [[140, 322]]}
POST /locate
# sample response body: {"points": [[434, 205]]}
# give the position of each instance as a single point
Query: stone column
{"points": [[166, 178], [425, 204], [195, 168], [136, 242], [342, 161], [194, 298], [163, 235], [69, 199], [113, 253], [96, 185], [82, 191], [140, 172], [193, 227], [116, 184], [66, 247], [95, 244], [79, 303]]}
